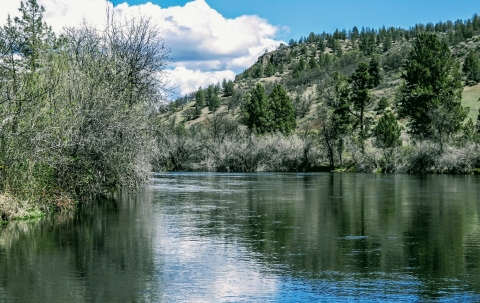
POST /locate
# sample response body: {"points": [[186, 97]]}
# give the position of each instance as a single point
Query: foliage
{"points": [[191, 113], [375, 71], [302, 105], [77, 110], [255, 113], [387, 132], [360, 98], [213, 103], [228, 88], [431, 93], [200, 98], [264, 114], [471, 67], [282, 112]]}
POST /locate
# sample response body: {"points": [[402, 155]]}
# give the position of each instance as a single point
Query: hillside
{"points": [[390, 100], [304, 67]]}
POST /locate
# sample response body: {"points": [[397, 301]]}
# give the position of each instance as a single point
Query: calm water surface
{"points": [[256, 238]]}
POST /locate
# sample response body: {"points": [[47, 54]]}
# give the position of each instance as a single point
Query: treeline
{"points": [[368, 39], [77, 111]]}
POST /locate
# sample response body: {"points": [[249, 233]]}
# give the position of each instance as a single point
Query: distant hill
{"points": [[303, 67]]}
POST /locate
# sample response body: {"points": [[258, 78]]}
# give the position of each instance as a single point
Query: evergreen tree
{"points": [[229, 88], [336, 117], [471, 67], [431, 93], [312, 63], [282, 112], [269, 70], [387, 132], [375, 71], [255, 114], [387, 136], [34, 34], [264, 114], [200, 98], [361, 83], [213, 103], [387, 43], [302, 65]]}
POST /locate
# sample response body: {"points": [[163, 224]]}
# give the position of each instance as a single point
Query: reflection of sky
{"points": [[192, 269]]}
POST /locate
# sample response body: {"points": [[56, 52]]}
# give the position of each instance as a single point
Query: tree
{"points": [[302, 105], [34, 34], [228, 88], [200, 98], [209, 92], [431, 92], [235, 100], [471, 67], [387, 43], [282, 112], [312, 63], [264, 114], [255, 113], [375, 71], [214, 103], [387, 134], [78, 111], [269, 70], [360, 98], [336, 116]]}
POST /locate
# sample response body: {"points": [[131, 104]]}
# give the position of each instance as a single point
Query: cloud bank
{"points": [[206, 46]]}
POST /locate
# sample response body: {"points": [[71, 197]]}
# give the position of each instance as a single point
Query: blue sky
{"points": [[305, 16], [215, 39]]}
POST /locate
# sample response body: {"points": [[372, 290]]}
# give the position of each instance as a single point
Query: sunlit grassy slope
{"points": [[470, 98]]}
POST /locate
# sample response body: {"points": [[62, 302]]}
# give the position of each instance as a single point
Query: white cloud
{"points": [[203, 42]]}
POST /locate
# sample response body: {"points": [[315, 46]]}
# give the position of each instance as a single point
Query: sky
{"points": [[215, 39]]}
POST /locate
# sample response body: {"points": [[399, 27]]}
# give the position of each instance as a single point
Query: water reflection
{"points": [[399, 236], [256, 238], [102, 253]]}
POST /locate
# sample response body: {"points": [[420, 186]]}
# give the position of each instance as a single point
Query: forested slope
{"points": [[352, 97]]}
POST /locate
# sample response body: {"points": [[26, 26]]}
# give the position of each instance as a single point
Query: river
{"points": [[268, 237]]}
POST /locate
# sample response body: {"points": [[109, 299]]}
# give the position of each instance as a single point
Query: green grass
{"points": [[470, 96]]}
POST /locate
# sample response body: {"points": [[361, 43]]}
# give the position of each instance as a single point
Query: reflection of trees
{"points": [[100, 254], [356, 224]]}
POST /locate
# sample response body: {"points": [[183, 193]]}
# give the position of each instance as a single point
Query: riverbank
{"points": [[12, 208]]}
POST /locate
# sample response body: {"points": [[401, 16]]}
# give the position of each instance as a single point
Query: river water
{"points": [[195, 237]]}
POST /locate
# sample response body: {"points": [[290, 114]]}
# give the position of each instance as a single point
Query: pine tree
{"points": [[471, 67], [387, 43], [387, 132], [34, 34], [431, 93], [200, 98], [255, 114], [375, 71], [214, 103], [282, 112], [361, 83], [229, 88]]}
